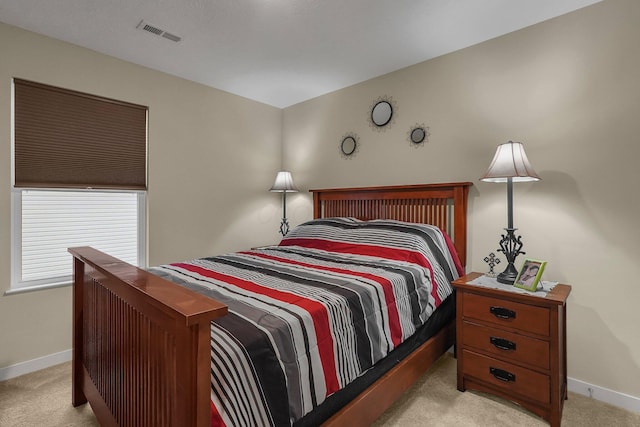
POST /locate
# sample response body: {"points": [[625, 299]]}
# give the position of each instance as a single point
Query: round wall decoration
{"points": [[382, 113], [418, 135], [349, 145]]}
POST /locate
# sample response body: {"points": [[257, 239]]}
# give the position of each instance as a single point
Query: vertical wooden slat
{"points": [[154, 377], [135, 370], [130, 381], [78, 335], [147, 372]]}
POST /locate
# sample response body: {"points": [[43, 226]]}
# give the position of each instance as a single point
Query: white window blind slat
{"points": [[53, 221]]}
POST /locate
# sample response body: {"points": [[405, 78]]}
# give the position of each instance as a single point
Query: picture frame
{"points": [[530, 274]]}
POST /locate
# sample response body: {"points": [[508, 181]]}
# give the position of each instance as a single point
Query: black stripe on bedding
{"points": [[362, 336], [419, 230], [229, 376], [217, 296], [410, 275], [266, 365], [428, 238]]}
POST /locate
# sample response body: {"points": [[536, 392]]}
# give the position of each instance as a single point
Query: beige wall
{"points": [[569, 89], [212, 158]]}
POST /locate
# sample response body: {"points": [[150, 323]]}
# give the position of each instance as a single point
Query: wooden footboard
{"points": [[141, 345]]}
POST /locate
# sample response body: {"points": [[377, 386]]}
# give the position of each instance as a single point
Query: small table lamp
{"points": [[284, 184], [510, 164]]}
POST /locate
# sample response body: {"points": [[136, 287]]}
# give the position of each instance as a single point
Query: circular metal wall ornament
{"points": [[382, 113], [418, 135], [349, 145]]}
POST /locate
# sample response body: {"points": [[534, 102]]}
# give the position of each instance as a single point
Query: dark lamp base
{"points": [[508, 276], [510, 246]]}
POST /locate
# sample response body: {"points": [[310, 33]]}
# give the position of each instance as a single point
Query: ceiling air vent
{"points": [[145, 26]]}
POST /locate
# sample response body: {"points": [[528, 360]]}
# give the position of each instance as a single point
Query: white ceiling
{"points": [[279, 52]]}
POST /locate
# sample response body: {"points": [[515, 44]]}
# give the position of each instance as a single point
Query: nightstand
{"points": [[513, 345]]}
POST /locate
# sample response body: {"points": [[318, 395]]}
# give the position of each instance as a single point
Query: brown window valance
{"points": [[69, 139]]}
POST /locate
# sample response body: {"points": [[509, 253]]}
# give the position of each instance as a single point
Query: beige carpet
{"points": [[44, 399]]}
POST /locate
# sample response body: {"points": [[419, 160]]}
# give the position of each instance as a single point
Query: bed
{"points": [[142, 349]]}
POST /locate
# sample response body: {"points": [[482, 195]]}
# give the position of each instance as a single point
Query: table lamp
{"points": [[284, 184], [510, 164]]}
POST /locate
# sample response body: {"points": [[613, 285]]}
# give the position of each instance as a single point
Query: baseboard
{"points": [[621, 400], [34, 365], [615, 398]]}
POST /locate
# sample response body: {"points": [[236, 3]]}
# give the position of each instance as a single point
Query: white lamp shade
{"points": [[510, 161], [284, 183]]}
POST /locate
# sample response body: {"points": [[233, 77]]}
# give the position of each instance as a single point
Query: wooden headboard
{"points": [[443, 205]]}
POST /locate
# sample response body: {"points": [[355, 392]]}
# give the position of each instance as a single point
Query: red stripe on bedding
{"points": [[387, 289], [454, 254], [317, 311], [369, 250], [216, 419]]}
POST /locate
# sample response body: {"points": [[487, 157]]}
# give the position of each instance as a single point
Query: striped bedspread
{"points": [[310, 315]]}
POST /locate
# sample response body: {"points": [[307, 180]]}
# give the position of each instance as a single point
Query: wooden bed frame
{"points": [[141, 344]]}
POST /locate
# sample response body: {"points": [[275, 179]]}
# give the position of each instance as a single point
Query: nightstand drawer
{"points": [[507, 345], [502, 312], [507, 377]]}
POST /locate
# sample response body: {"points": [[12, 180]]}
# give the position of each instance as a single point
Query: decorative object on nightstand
{"points": [[510, 164], [492, 260], [284, 184], [530, 274], [513, 343]]}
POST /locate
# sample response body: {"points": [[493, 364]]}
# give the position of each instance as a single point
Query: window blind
{"points": [[69, 139], [53, 221]]}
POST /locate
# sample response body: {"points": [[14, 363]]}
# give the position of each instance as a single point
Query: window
{"points": [[47, 222], [79, 167]]}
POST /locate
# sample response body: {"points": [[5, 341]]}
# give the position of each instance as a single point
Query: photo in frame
{"points": [[530, 274]]}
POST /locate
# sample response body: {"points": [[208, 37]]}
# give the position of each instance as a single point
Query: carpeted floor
{"points": [[435, 401], [44, 399]]}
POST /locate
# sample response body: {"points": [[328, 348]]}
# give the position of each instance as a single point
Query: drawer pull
{"points": [[502, 344], [502, 375], [502, 313]]}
